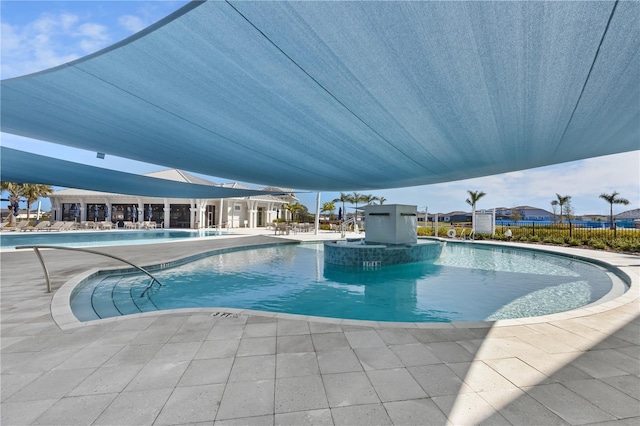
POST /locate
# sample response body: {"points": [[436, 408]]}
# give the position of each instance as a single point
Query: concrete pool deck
{"points": [[223, 367]]}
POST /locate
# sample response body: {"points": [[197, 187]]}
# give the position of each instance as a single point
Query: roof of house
{"points": [[629, 214], [179, 176]]}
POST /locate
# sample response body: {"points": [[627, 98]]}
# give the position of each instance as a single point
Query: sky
{"points": [[37, 35]]}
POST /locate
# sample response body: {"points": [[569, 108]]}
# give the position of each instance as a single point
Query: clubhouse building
{"points": [[251, 212]]}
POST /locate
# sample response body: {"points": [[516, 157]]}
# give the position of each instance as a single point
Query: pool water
{"points": [[468, 283], [99, 238]]}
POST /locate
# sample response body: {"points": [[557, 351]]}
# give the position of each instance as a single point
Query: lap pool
{"points": [[469, 282], [99, 238]]}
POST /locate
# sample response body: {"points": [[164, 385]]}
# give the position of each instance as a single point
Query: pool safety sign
{"points": [[484, 223]]}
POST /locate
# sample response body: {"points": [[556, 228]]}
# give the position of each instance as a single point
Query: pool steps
{"points": [[122, 295]]}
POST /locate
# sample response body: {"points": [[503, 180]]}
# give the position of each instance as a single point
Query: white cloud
{"points": [[132, 23], [57, 36], [93, 37], [67, 21], [48, 41], [10, 38]]}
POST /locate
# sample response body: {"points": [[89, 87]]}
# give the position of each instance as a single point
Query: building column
{"points": [[107, 202], [167, 215], [56, 211], [200, 209], [83, 211], [252, 213], [269, 218], [140, 211], [198, 216], [192, 219], [220, 213]]}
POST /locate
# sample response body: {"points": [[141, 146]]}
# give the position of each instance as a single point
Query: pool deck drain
{"points": [[224, 366]]}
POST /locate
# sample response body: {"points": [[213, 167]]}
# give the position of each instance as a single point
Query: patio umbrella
{"points": [[149, 212], [134, 213], [95, 212], [16, 208], [339, 213], [76, 211], [106, 213]]}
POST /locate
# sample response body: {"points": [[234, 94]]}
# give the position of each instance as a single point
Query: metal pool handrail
{"points": [[46, 272]]}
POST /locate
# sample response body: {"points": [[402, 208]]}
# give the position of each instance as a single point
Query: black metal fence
{"points": [[566, 234], [524, 230]]}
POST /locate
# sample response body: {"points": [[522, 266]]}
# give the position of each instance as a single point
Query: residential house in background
{"points": [[527, 213]]}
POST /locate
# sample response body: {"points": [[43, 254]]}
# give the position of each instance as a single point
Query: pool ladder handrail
{"points": [[344, 225], [46, 272]]}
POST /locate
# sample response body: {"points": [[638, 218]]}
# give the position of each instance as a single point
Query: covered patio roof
{"points": [[350, 95]]}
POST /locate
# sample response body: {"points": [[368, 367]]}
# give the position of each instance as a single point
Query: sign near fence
{"points": [[484, 223]]}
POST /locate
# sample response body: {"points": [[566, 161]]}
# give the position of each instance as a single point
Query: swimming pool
{"points": [[468, 283], [101, 238]]}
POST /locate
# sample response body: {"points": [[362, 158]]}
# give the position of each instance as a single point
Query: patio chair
{"points": [[41, 226], [149, 225], [281, 228]]}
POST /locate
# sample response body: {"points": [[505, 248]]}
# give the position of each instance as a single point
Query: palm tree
{"points": [[329, 206], [613, 199], [562, 200], [356, 198], [344, 198], [381, 200], [294, 208], [369, 198], [474, 197], [14, 197], [33, 191]]}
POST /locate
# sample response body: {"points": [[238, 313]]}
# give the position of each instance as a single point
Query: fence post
{"points": [[570, 230], [534, 228]]}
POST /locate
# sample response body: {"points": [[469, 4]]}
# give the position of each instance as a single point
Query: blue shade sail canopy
{"points": [[350, 95], [17, 166]]}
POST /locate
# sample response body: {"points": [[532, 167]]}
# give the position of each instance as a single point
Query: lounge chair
{"points": [[56, 226], [106, 225], [20, 226], [129, 225], [68, 226], [41, 226]]}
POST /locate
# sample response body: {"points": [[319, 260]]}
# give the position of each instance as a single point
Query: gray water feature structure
{"points": [[391, 238]]}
